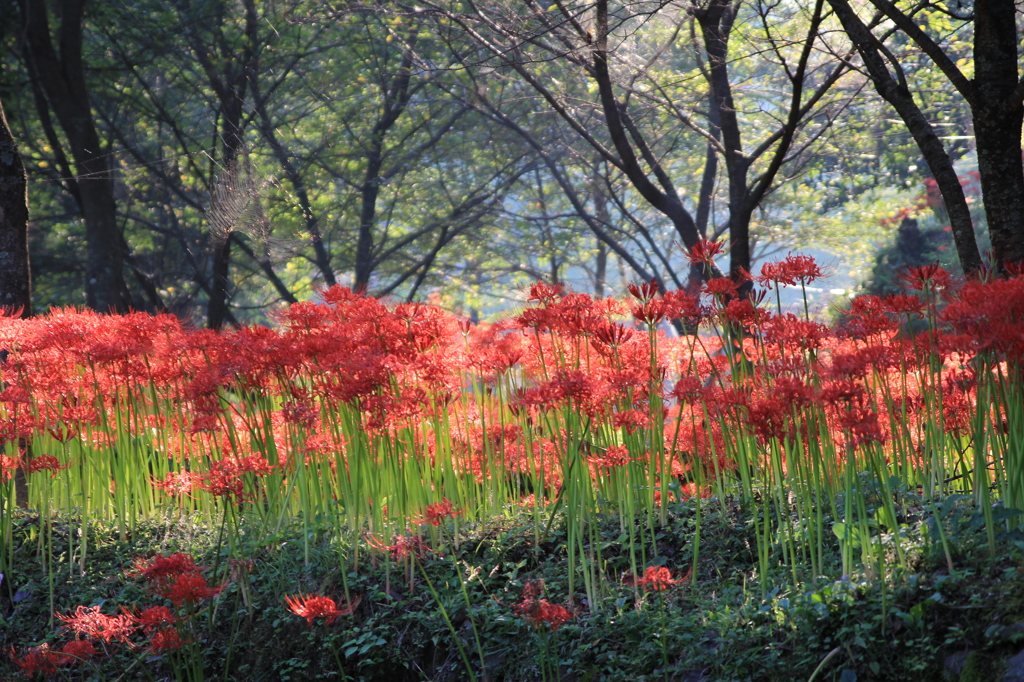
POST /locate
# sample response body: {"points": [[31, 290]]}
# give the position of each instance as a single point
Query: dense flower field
{"points": [[401, 421]]}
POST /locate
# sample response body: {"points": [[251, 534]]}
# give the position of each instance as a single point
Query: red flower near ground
{"points": [[316, 606], [162, 567], [76, 650], [188, 588], [90, 622], [156, 618], [403, 547], [40, 659], [436, 513], [542, 612], [659, 579], [163, 641]]}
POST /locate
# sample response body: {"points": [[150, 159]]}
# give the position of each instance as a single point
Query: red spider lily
{"points": [[436, 513], [659, 579], [614, 457], [540, 612], [162, 567], [650, 312], [644, 292], [76, 650], [63, 434], [789, 271], [156, 618], [40, 659], [179, 483], [681, 305], [743, 312], [631, 420], [902, 304], [613, 335], [721, 287], [188, 588], [688, 389], [316, 606], [163, 641], [862, 425], [404, 546], [543, 292], [789, 329], [927, 278], [44, 463], [704, 252], [16, 395], [7, 467], [90, 622]]}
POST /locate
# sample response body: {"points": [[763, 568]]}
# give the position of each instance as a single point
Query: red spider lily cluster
{"points": [[176, 578], [311, 607], [335, 387], [657, 579], [43, 659], [538, 611], [160, 628]]}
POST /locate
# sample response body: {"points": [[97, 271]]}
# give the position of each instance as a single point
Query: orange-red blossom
{"points": [[316, 606]]}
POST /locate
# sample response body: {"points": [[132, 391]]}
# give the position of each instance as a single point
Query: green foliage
{"points": [[715, 628]]}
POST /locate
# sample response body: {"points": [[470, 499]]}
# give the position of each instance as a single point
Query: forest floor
{"points": [[484, 607]]}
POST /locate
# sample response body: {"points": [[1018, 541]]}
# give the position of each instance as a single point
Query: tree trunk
{"points": [[998, 117], [15, 276], [930, 146], [62, 79]]}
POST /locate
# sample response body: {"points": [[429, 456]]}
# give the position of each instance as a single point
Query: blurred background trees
{"points": [[219, 158]]}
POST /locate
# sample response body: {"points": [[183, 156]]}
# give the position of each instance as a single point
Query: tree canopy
{"points": [[217, 158]]}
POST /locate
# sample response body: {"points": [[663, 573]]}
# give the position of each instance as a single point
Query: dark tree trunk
{"points": [[230, 85], [370, 190], [997, 117], [62, 80], [15, 276], [931, 148]]}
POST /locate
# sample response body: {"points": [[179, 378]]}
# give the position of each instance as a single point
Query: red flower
{"points": [[40, 659], [644, 292], [631, 420], [659, 579], [316, 606], [188, 588], [404, 546], [156, 618], [178, 483], [614, 457], [721, 286], [927, 278], [76, 650], [44, 463], [163, 641], [7, 467], [436, 513], [789, 271], [162, 567], [613, 335], [90, 622], [539, 612], [704, 252]]}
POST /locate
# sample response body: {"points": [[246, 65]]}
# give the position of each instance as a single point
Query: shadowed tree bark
{"points": [[15, 276], [896, 93], [61, 79], [996, 99]]}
